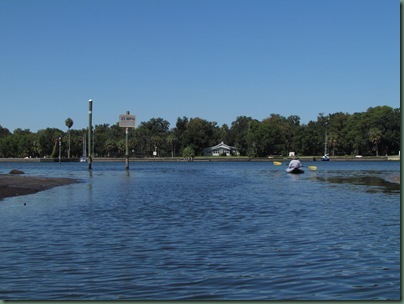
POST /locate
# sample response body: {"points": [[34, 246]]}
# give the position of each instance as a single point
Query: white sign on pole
{"points": [[127, 121]]}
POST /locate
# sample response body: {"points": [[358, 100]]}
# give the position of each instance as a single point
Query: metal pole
{"points": [[90, 127], [325, 139], [68, 153], [127, 145], [60, 144]]}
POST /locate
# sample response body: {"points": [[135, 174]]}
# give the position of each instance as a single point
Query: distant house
{"points": [[221, 149]]}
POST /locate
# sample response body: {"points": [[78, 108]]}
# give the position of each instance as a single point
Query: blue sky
{"points": [[213, 59]]}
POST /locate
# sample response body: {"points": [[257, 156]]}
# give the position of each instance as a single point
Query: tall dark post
{"points": [[127, 145], [325, 139], [60, 144], [90, 128]]}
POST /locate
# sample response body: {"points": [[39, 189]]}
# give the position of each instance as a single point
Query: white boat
{"points": [[325, 158]]}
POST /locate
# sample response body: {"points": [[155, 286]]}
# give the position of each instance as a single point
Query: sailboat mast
{"points": [[84, 146]]}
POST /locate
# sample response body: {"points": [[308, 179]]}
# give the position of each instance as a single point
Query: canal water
{"points": [[204, 231]]}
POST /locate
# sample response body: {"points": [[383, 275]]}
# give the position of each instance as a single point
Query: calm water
{"points": [[169, 231]]}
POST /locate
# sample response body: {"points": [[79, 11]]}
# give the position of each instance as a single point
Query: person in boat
{"points": [[295, 163]]}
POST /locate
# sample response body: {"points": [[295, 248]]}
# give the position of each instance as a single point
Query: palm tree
{"points": [[375, 136], [170, 140], [333, 141], [188, 153], [69, 124]]}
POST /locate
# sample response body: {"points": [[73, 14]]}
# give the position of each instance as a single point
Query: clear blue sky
{"points": [[213, 59]]}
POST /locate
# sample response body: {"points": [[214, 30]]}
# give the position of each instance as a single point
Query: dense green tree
{"points": [[387, 121], [178, 131], [310, 139], [142, 137], [153, 134], [274, 135], [225, 135], [121, 146], [171, 140], [4, 132], [105, 141], [47, 140], [375, 136], [200, 134], [8, 147], [157, 126], [337, 130], [239, 130], [374, 132], [291, 127], [77, 138], [110, 147], [253, 138]]}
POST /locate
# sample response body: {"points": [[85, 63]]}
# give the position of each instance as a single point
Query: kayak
{"points": [[294, 170]]}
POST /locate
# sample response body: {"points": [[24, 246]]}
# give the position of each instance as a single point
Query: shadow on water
{"points": [[376, 183]]}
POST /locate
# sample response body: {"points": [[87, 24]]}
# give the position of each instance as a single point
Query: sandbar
{"points": [[16, 185]]}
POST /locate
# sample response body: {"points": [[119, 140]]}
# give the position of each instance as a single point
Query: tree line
{"points": [[374, 132]]}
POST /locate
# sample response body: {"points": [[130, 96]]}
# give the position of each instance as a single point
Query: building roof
{"points": [[222, 145]]}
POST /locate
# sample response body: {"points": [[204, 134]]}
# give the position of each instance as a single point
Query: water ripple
{"points": [[200, 232]]}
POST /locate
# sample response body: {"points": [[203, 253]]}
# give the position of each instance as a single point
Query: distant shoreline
{"points": [[202, 159]]}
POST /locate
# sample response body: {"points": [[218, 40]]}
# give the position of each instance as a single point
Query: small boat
{"points": [[325, 158], [294, 170]]}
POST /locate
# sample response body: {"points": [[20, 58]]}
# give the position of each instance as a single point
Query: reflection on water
{"points": [[198, 231]]}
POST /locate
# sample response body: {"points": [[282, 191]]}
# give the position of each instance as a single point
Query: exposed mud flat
{"points": [[388, 183], [15, 185]]}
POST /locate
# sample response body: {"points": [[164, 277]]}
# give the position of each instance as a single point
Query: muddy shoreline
{"points": [[16, 185]]}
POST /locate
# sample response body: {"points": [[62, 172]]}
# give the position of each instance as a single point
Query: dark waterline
{"points": [[199, 231]]}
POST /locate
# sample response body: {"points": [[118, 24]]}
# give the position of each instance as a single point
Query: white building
{"points": [[221, 149]]}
